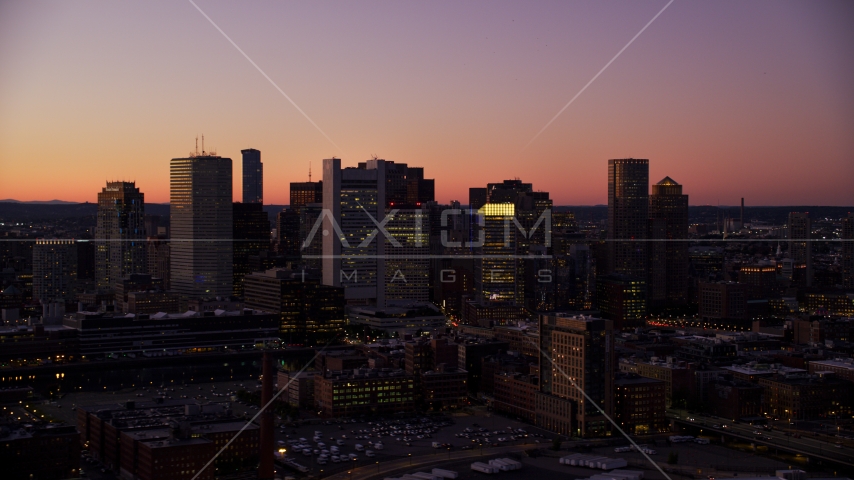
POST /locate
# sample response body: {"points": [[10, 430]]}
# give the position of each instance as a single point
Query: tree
{"points": [[556, 443]]}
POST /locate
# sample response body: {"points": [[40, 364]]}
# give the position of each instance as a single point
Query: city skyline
{"points": [[728, 99]]}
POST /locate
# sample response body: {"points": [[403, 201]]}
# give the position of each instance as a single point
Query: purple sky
{"points": [[732, 99]]}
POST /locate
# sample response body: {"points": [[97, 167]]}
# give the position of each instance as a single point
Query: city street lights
{"points": [[410, 459], [378, 468]]}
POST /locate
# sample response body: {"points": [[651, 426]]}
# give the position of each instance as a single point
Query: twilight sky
{"points": [[729, 98]]}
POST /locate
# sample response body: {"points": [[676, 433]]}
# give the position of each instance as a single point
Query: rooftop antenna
{"points": [[203, 144], [309, 172], [197, 145]]}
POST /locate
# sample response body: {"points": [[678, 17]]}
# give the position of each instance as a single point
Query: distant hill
{"points": [[16, 211], [38, 202]]}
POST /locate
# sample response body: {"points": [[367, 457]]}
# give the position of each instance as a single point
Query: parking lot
{"points": [[399, 438]]}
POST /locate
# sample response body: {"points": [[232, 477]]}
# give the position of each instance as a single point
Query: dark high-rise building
{"points": [[668, 212], [621, 299], [848, 251], [628, 216], [120, 233], [201, 226], [515, 222], [477, 197], [303, 193], [356, 257], [253, 176], [251, 235], [54, 270], [158, 258], [800, 247], [309, 313], [578, 353], [288, 232]]}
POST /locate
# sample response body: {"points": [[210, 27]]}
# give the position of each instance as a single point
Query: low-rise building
{"points": [[41, 451], [444, 387], [364, 392], [300, 388], [516, 394], [639, 404], [804, 397], [734, 399]]}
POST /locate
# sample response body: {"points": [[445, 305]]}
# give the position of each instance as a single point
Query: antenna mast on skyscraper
{"points": [[203, 144], [309, 172]]}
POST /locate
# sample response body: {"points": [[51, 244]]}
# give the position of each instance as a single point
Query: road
{"points": [[774, 438]]}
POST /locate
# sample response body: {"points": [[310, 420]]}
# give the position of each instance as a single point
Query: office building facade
{"points": [[577, 354], [253, 176], [119, 233], [201, 225]]}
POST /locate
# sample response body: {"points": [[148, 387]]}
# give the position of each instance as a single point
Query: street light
{"points": [[410, 459]]}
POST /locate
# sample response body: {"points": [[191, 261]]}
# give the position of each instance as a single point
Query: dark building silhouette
{"points": [[288, 233], [668, 267], [303, 193], [848, 251], [309, 313], [251, 228], [120, 233], [800, 248], [628, 218], [253, 176]]}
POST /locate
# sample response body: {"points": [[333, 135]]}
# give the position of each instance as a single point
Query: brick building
{"points": [[364, 392], [639, 404], [516, 394]]}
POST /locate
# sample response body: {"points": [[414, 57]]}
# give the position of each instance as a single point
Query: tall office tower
{"points": [[514, 222], [356, 202], [303, 193], [158, 258], [848, 251], [201, 226], [668, 266], [407, 269], [287, 232], [477, 197], [310, 252], [800, 248], [497, 275], [54, 270], [119, 233], [253, 176], [628, 208], [251, 236], [579, 350]]}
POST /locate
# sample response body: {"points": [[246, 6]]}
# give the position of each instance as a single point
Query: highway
{"points": [[775, 438]]}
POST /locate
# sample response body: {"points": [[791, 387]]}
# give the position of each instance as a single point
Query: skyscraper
{"points": [[201, 226], [515, 222], [250, 235], [253, 176], [54, 270], [119, 233], [668, 213], [579, 350], [628, 208], [848, 250], [800, 248], [358, 203], [303, 193]]}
